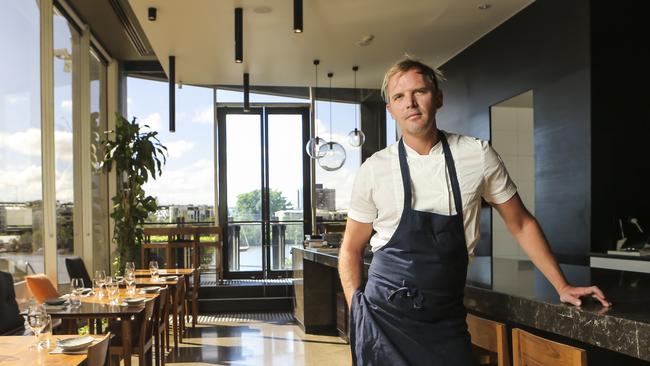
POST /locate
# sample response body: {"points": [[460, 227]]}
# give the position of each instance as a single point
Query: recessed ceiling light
{"points": [[366, 40], [484, 6], [262, 9]]}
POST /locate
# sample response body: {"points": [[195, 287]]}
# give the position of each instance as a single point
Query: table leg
{"points": [[126, 340]]}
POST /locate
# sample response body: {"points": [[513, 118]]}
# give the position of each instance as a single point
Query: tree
{"points": [[249, 205]]}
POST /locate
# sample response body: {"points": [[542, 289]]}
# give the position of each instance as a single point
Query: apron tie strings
{"points": [[408, 292]]}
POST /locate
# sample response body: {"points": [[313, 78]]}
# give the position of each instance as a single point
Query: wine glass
{"points": [[129, 266], [113, 288], [129, 277], [153, 268], [100, 280], [76, 288], [37, 319]]}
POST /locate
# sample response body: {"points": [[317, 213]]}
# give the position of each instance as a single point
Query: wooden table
{"points": [[94, 308], [175, 239], [15, 351], [185, 272]]}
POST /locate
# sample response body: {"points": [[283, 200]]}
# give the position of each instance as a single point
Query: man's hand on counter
{"points": [[572, 295]]}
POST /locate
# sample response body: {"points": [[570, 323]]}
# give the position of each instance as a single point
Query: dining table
{"points": [[95, 307], [22, 351]]}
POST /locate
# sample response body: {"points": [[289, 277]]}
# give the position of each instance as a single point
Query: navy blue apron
{"points": [[411, 311]]}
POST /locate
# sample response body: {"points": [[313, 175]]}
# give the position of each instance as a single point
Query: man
{"points": [[422, 197]]}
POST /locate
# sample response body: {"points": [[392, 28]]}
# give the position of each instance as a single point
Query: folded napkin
{"points": [[59, 350]]}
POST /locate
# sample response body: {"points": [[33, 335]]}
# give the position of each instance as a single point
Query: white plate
{"points": [[171, 278], [152, 289], [74, 344], [134, 300]]}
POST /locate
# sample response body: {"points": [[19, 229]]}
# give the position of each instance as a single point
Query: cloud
{"points": [[193, 184], [204, 115], [176, 149], [154, 121], [66, 104], [28, 143], [21, 185]]}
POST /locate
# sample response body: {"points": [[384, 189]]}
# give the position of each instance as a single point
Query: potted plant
{"points": [[136, 155]]}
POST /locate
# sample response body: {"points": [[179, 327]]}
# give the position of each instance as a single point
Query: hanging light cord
{"points": [[356, 124], [316, 100], [330, 76]]}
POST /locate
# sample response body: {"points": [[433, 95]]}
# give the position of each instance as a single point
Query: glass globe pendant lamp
{"points": [[332, 153], [356, 137], [315, 143]]}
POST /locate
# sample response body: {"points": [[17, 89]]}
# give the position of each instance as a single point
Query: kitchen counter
{"points": [[515, 292]]}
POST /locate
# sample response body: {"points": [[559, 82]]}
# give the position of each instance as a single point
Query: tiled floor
{"points": [[256, 339]]}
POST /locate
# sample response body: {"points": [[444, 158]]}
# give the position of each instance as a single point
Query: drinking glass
{"points": [[113, 288], [37, 319], [129, 277], [76, 288], [153, 268], [129, 266], [100, 280]]}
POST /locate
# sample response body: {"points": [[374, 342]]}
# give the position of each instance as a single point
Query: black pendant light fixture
{"points": [[239, 35], [247, 89], [297, 16], [314, 144], [332, 153], [356, 137], [172, 94]]}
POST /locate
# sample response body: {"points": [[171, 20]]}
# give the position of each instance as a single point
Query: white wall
{"points": [[512, 138]]}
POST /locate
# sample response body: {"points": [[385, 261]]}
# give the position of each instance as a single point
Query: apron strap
{"points": [[406, 175], [455, 187]]}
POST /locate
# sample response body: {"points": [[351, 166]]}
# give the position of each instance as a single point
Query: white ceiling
{"points": [[200, 33]]}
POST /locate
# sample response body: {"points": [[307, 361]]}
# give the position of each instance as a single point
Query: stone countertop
{"points": [[516, 291]]}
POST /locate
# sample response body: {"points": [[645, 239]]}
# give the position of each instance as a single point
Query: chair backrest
{"points": [[10, 319], [529, 349], [98, 352], [161, 310], [491, 336], [41, 287], [77, 269], [146, 328], [180, 292]]}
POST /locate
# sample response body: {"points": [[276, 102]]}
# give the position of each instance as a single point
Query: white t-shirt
{"points": [[378, 195]]}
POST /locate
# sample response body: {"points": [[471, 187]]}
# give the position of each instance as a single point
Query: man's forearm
{"points": [[532, 240], [350, 267]]}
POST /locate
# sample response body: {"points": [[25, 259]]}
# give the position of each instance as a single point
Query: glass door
{"points": [[262, 171]]}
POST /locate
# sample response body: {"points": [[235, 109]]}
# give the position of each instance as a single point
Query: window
{"points": [[65, 38], [185, 190], [21, 217], [333, 189], [391, 130]]}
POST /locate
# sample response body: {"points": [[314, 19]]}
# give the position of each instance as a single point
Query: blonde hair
{"points": [[407, 63]]}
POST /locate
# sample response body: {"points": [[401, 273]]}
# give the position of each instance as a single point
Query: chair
{"points": [[490, 336], [529, 349], [41, 287], [142, 341], [77, 269], [11, 322], [98, 352], [161, 325], [178, 313]]}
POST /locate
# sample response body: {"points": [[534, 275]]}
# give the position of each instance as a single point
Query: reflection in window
{"points": [[99, 190], [21, 218], [63, 36]]}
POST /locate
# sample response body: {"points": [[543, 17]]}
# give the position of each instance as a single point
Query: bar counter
{"points": [[511, 291]]}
